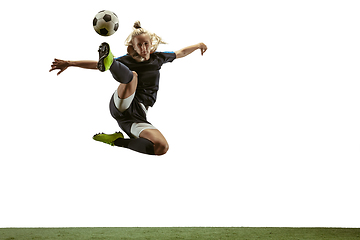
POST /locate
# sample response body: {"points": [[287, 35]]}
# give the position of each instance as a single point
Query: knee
{"points": [[160, 144], [134, 80], [135, 75], [161, 147]]}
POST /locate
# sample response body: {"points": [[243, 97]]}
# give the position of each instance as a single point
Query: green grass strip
{"points": [[158, 233]]}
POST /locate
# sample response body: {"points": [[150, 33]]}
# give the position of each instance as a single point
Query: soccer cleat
{"points": [[106, 58], [108, 138]]}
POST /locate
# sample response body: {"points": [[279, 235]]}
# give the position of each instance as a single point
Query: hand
{"points": [[59, 64], [203, 48]]}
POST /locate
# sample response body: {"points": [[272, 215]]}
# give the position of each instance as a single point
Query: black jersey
{"points": [[148, 74]]}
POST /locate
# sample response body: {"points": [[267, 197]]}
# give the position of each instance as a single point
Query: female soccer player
{"points": [[138, 74]]}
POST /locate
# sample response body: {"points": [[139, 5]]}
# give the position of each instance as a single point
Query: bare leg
{"points": [[126, 90], [161, 146]]}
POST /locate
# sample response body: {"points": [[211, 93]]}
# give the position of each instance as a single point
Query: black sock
{"points": [[140, 145], [120, 72]]}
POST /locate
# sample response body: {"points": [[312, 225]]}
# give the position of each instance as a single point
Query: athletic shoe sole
{"points": [[104, 50]]}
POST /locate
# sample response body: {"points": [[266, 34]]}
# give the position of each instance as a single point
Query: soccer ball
{"points": [[106, 23]]}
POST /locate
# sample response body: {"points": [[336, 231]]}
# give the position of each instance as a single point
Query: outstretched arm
{"points": [[187, 50], [63, 65]]}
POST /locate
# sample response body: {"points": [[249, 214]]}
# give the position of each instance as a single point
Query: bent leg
{"points": [[120, 72], [125, 93], [161, 146], [126, 90], [140, 145]]}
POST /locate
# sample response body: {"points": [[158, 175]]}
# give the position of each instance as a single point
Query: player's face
{"points": [[142, 45]]}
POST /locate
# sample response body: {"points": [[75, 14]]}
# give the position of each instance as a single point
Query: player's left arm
{"points": [[187, 50]]}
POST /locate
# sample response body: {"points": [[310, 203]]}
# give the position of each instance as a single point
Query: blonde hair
{"points": [[138, 30]]}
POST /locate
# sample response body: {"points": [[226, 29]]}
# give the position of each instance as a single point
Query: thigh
{"points": [[123, 104], [138, 128], [126, 90]]}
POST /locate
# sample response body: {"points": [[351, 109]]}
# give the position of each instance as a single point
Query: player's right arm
{"points": [[62, 65]]}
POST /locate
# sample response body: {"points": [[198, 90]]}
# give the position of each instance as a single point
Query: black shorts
{"points": [[133, 120]]}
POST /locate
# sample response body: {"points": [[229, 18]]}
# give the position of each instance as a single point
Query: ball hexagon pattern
{"points": [[106, 23]]}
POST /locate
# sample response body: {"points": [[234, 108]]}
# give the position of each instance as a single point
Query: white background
{"points": [[263, 129]]}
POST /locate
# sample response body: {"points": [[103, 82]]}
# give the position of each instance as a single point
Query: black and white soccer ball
{"points": [[106, 23]]}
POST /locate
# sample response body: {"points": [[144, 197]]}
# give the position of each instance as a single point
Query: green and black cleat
{"points": [[108, 138], [106, 58]]}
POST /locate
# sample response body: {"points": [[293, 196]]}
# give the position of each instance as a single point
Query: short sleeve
{"points": [[166, 56]]}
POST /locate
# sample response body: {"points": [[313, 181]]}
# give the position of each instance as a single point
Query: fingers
{"points": [[62, 69], [54, 68], [203, 49], [53, 65], [56, 64]]}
